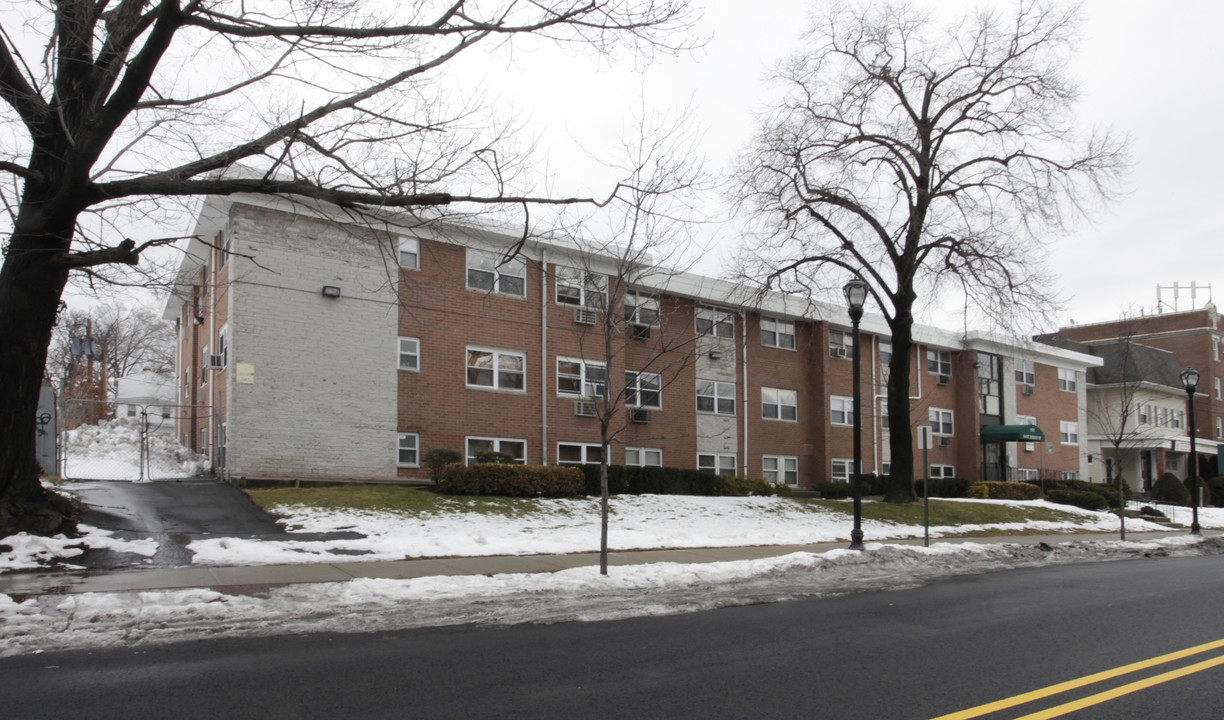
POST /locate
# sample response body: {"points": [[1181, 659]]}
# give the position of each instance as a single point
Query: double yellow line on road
{"points": [[1065, 708]]}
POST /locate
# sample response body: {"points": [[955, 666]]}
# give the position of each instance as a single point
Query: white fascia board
{"points": [[1032, 350]]}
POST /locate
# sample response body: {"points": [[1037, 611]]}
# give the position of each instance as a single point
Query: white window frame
{"points": [[414, 354], [1026, 419], [777, 333], [843, 339], [886, 352], [584, 288], [640, 457], [841, 470], [1162, 416], [204, 371], [720, 393], [884, 416], [469, 456], [1066, 380], [1219, 428], [1216, 384], [641, 308], [943, 422], [585, 450], [1069, 475], [942, 471], [500, 274], [1068, 432], [411, 247], [641, 383], [939, 362], [1026, 372], [592, 376], [1177, 418], [496, 369], [1143, 411], [1024, 474], [223, 346], [843, 406], [784, 470], [717, 463], [714, 321], [415, 450], [780, 401]]}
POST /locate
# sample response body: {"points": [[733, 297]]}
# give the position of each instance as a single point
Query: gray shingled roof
{"points": [[1125, 362]]}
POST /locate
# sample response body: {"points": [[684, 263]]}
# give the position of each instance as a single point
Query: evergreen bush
{"points": [[512, 480], [437, 459], [1085, 499], [1170, 489], [1004, 491]]}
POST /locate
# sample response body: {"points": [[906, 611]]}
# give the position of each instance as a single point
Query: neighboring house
{"points": [[147, 392], [315, 349]]}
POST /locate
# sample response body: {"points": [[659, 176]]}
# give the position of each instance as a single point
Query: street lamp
{"points": [[1190, 378], [856, 295]]}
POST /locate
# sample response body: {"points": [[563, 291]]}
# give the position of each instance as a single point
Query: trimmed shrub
{"points": [[1170, 489], [1216, 486], [485, 457], [1107, 491], [745, 486], [943, 487], [1085, 499], [1149, 511], [512, 480], [624, 480], [437, 459], [1004, 491], [834, 490]]}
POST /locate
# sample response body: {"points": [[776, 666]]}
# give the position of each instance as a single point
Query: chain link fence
{"points": [[127, 441]]}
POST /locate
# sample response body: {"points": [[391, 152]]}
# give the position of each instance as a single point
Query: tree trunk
{"points": [[31, 283], [900, 487]]}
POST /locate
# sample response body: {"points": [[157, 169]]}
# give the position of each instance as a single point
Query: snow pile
{"points": [[110, 450], [57, 622], [26, 551]]}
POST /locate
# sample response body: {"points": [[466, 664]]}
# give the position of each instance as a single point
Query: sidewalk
{"points": [[255, 578]]}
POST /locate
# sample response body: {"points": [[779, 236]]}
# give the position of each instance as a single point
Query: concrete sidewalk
{"points": [[255, 578]]}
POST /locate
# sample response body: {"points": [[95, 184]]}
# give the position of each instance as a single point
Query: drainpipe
{"points": [[543, 356], [744, 354]]}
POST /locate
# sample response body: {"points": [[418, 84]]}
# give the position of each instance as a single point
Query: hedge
{"points": [[1107, 492], [1169, 488], [512, 480], [1004, 491], [1085, 499], [1216, 485], [943, 487], [635, 480]]}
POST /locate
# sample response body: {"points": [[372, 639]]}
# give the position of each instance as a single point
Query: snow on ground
{"points": [[27, 551], [59, 622], [110, 450]]}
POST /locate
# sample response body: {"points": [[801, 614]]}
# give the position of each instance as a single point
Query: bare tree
{"points": [[110, 104], [913, 157]]}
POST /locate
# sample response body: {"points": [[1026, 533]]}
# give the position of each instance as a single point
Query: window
{"points": [[842, 470], [1024, 474], [223, 253], [204, 366], [780, 469], [409, 354], [223, 345], [497, 369], [410, 253], [943, 471], [990, 384], [716, 322], [1070, 475], [1145, 413], [1068, 432], [885, 468], [841, 344], [1177, 418], [1026, 419], [408, 444], [643, 457], [1217, 388], [718, 464], [1219, 428], [716, 397], [1066, 379], [579, 454], [641, 309], [643, 390], [581, 288], [884, 416], [516, 449], [779, 404], [1162, 417], [939, 362], [941, 422], [841, 410], [131, 411], [885, 352], [1215, 350], [204, 449], [777, 333], [577, 377], [1026, 372], [485, 271]]}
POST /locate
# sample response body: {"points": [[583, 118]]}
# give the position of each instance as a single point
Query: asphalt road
{"points": [[919, 653]]}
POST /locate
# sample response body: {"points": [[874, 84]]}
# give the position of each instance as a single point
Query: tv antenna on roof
{"points": [[1177, 289]]}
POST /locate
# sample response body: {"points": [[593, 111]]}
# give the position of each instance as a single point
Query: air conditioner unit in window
{"points": [[638, 415], [584, 408], [215, 362], [837, 352], [585, 316], [1026, 389], [945, 441], [639, 332], [942, 379]]}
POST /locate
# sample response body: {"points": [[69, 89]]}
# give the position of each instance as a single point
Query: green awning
{"points": [[1012, 433]]}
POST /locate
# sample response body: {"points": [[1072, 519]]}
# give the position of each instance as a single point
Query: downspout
{"points": [[543, 356], [744, 355], [875, 405], [212, 338]]}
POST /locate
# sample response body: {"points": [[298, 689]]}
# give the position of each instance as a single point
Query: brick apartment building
{"points": [[319, 350]]}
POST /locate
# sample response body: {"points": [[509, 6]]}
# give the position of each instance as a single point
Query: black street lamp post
{"points": [[1190, 378], [856, 296]]}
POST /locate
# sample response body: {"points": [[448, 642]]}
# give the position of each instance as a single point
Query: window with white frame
{"points": [[1070, 475], [1144, 412], [223, 252], [1026, 419], [841, 344], [579, 454], [941, 421], [842, 469], [1162, 417], [939, 362], [516, 449], [204, 366], [716, 397], [841, 410], [641, 309], [410, 253], [943, 471], [643, 390], [885, 468], [1177, 418], [643, 457], [778, 404], [409, 444], [1026, 372], [1068, 432], [581, 288], [1219, 428], [777, 333], [1066, 379], [409, 354], [716, 322], [496, 369], [1217, 388], [884, 415], [885, 352], [223, 346], [487, 272], [780, 469], [716, 463], [1024, 474], [580, 378]]}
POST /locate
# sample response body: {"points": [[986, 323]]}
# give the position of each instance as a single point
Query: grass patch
{"points": [[944, 512]]}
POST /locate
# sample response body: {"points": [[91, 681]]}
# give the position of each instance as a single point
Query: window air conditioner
{"points": [[942, 379], [215, 362], [638, 415], [837, 352], [584, 408], [1026, 389], [585, 316], [945, 441]]}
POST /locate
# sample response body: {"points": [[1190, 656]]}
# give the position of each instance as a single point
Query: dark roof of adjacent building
{"points": [[1126, 361]]}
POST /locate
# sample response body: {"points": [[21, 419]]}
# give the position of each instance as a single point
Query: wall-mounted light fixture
{"points": [[331, 291], [715, 355]]}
